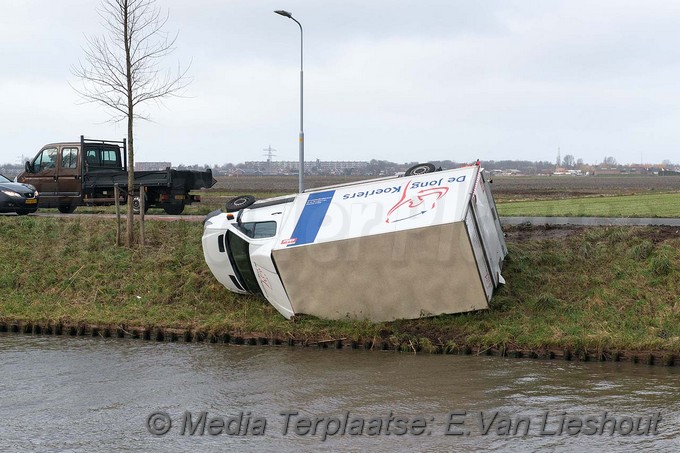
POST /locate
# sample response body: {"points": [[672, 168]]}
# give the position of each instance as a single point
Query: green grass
{"points": [[586, 289], [68, 270], [210, 200], [651, 205]]}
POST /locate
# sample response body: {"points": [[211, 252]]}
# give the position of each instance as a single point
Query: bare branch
{"points": [[121, 69]]}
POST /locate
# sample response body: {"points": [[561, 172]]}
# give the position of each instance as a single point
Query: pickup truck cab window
{"points": [[103, 157], [69, 158], [46, 159], [109, 158]]}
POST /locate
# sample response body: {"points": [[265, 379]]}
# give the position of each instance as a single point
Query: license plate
{"points": [[31, 201]]}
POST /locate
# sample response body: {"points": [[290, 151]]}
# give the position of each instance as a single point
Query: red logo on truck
{"points": [[413, 204]]}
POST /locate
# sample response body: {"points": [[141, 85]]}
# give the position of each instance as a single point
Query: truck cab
{"points": [[57, 171], [238, 248]]}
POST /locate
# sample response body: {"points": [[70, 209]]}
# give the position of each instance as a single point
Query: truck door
{"points": [[44, 176], [69, 176]]}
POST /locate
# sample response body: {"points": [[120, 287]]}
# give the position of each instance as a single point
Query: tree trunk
{"points": [[131, 183], [130, 136]]}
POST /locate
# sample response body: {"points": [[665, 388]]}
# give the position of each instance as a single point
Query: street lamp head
{"points": [[284, 13]]}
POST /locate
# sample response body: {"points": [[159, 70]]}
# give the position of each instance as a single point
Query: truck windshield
{"points": [[239, 256]]}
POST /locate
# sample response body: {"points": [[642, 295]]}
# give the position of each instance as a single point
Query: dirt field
{"points": [[504, 188], [276, 184], [553, 187]]}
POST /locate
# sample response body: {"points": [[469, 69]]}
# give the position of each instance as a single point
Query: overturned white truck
{"points": [[422, 244]]}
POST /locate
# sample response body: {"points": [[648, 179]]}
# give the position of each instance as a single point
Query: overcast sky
{"points": [[396, 80]]}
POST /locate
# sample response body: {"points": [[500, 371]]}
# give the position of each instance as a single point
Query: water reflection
{"points": [[95, 395]]}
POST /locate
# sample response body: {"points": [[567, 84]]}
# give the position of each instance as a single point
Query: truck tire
{"points": [[136, 205], [66, 208], [420, 169], [238, 203], [174, 209]]}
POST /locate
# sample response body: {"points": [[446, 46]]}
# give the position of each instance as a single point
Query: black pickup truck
{"points": [[69, 175]]}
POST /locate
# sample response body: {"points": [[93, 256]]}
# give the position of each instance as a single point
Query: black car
{"points": [[17, 197]]}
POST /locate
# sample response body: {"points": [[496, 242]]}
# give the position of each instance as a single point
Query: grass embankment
{"points": [[586, 289], [647, 205]]}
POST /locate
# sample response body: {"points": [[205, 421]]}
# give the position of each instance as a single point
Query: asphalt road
{"points": [[187, 218]]}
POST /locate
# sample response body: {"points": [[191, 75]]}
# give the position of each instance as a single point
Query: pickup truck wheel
{"points": [[420, 169], [136, 205], [238, 203], [175, 209], [66, 208]]}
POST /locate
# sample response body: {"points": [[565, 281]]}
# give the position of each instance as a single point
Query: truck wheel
{"points": [[136, 205], [66, 208], [240, 202], [420, 169], [174, 209]]}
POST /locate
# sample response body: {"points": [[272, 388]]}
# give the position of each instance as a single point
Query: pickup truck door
{"points": [[44, 175], [69, 176]]}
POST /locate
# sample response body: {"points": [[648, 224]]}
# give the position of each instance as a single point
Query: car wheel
{"points": [[238, 203], [420, 169], [22, 212]]}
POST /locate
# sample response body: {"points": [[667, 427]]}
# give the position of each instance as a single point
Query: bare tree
{"points": [[610, 161], [122, 69], [568, 161]]}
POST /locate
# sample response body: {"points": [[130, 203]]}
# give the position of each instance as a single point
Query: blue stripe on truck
{"points": [[312, 216]]}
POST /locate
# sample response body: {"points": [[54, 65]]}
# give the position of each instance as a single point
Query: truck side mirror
{"points": [[28, 167]]}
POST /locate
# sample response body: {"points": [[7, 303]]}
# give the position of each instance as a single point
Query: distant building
{"points": [[244, 172], [631, 169], [318, 166], [152, 166], [560, 171]]}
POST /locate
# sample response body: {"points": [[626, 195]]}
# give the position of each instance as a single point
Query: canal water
{"points": [[95, 394]]}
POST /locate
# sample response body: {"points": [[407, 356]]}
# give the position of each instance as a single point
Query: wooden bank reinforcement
{"points": [[158, 334]]}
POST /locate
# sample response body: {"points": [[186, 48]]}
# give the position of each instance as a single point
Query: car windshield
{"points": [[3, 179]]}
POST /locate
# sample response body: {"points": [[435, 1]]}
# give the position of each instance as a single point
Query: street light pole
{"points": [[301, 186]]}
